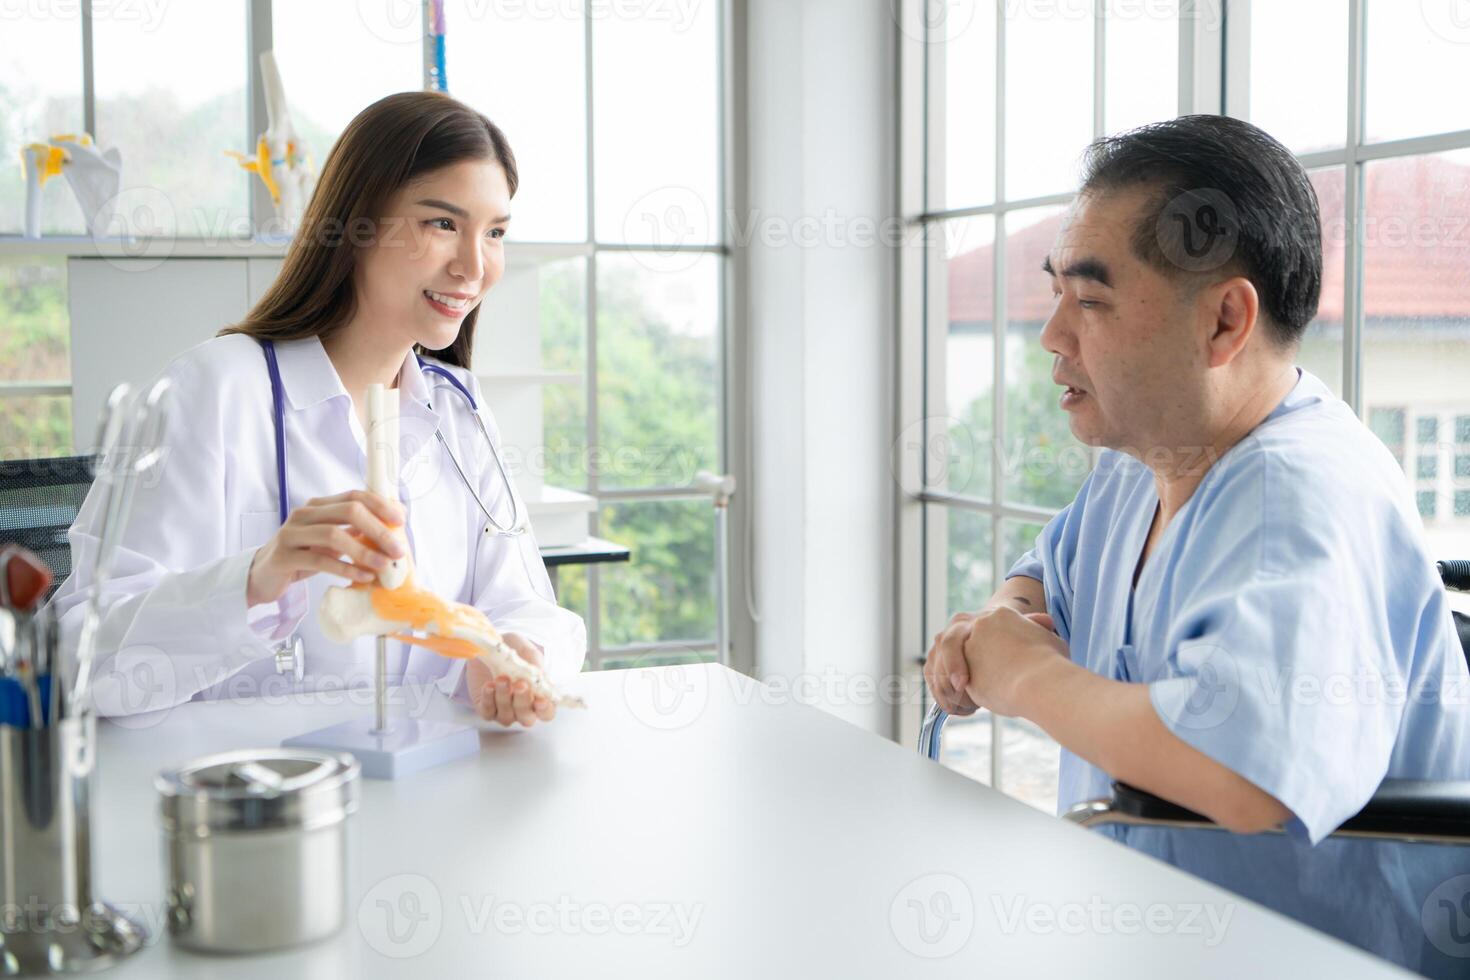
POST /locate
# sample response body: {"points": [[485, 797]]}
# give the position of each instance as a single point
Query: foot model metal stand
{"points": [[389, 747]]}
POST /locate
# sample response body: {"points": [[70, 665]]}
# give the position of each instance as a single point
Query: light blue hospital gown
{"points": [[1291, 625]]}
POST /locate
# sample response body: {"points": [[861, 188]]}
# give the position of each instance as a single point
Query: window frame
{"points": [[1214, 76], [921, 539], [1353, 156], [597, 651]]}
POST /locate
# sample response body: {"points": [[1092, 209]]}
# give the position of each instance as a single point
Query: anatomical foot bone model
{"points": [[455, 630], [396, 607]]}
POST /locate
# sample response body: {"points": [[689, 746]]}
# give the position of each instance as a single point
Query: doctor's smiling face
{"points": [[440, 248], [401, 239]]}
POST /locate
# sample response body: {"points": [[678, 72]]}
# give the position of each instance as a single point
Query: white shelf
{"points": [[559, 500], [84, 246], [560, 516]]}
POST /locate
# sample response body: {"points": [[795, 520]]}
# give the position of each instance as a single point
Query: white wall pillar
{"points": [[821, 187]]}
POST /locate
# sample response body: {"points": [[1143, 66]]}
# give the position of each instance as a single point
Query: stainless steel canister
{"points": [[258, 848]]}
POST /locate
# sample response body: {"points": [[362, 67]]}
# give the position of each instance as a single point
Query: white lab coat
{"points": [[175, 626]]}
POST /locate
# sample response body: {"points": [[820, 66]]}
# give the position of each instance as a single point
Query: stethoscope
{"points": [[290, 658]]}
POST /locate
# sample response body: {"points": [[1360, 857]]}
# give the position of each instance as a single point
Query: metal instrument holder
{"points": [[52, 921]]}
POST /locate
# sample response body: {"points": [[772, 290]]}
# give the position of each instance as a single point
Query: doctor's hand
{"points": [[346, 535], [1001, 652], [503, 700]]}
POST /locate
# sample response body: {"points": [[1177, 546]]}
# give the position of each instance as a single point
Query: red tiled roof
{"points": [[1418, 240], [1417, 260]]}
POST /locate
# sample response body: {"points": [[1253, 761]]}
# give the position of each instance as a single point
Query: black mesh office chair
{"points": [[39, 500], [1420, 811]]}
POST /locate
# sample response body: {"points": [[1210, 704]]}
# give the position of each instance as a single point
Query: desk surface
{"points": [[686, 825]]}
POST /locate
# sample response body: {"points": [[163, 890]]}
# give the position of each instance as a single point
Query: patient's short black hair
{"points": [[1226, 196]]}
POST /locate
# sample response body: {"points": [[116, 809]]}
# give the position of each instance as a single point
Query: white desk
{"points": [[798, 840]]}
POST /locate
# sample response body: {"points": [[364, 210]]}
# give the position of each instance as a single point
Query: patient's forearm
{"points": [[1025, 595], [1113, 725]]}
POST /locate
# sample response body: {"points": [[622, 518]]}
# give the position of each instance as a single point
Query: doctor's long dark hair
{"points": [[388, 144]]}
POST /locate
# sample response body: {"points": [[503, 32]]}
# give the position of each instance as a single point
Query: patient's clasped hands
{"points": [[985, 659]]}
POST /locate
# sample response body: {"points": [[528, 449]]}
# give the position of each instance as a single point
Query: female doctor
{"points": [[211, 589]]}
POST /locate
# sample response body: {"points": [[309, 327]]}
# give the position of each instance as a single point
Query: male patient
{"points": [[1247, 619]]}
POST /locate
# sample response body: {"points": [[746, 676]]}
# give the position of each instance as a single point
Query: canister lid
{"points": [[258, 789]]}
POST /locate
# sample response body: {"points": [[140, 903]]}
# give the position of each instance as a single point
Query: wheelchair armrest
{"points": [[1402, 809], [1462, 630], [1415, 808], [1146, 807]]}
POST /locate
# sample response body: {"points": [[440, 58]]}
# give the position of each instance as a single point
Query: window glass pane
{"points": [[523, 66], [1388, 425], [1043, 463], [35, 328], [1029, 757], [968, 80], [658, 382], [1462, 503], [969, 582], [666, 591], [1428, 467], [966, 747], [35, 426], [969, 361], [172, 100], [1018, 538], [336, 59], [660, 658], [1030, 762], [1141, 63], [1298, 72], [1048, 96], [571, 588], [656, 126], [1416, 311], [40, 97], [1462, 428], [1321, 350], [970, 563], [1415, 50], [564, 350]]}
